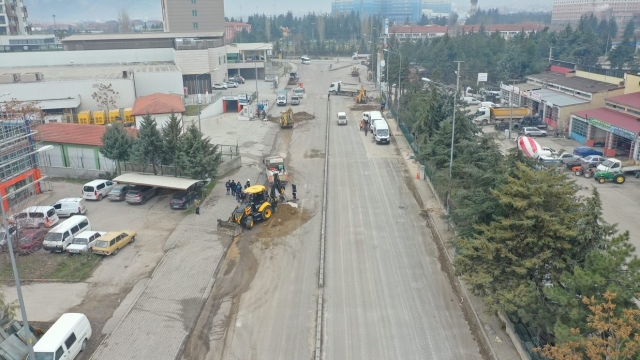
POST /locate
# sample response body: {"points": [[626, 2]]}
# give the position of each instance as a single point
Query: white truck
{"points": [[341, 88], [281, 97], [380, 131], [357, 56], [613, 164]]}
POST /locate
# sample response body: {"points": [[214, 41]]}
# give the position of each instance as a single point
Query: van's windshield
{"points": [[383, 132], [53, 236], [608, 163], [88, 188], [44, 356]]}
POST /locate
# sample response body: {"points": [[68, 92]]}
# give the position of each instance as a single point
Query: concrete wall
{"points": [[87, 57], [153, 82], [631, 83], [598, 77], [64, 89], [229, 166], [597, 100], [213, 109], [161, 119], [193, 62]]}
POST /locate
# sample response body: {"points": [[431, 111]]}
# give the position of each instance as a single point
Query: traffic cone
{"points": [[418, 175]]}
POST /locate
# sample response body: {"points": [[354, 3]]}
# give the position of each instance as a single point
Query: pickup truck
{"points": [[275, 165], [613, 164]]}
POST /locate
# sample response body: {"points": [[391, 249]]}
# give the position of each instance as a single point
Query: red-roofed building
{"points": [[508, 31], [160, 106], [616, 126], [231, 28], [416, 32], [75, 149]]}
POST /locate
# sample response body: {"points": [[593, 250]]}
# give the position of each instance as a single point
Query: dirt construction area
{"points": [[104, 281], [297, 117]]}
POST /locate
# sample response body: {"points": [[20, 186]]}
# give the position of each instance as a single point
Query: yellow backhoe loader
{"points": [[361, 98], [286, 119]]}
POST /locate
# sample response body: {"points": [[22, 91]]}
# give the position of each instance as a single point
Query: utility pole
{"points": [[398, 96], [453, 135], [513, 82]]}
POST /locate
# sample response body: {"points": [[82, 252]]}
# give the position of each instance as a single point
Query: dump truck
{"points": [[340, 88], [355, 72], [293, 78], [275, 165], [486, 115], [613, 164], [357, 56]]}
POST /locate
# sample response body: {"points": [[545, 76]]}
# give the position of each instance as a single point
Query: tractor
{"points": [[361, 98], [258, 205], [612, 175]]}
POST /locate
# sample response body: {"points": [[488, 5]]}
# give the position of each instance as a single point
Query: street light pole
{"points": [[257, 96], [398, 97], [453, 134]]}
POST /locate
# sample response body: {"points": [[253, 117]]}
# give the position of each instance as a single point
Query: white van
{"points": [[65, 339], [380, 130], [305, 60], [295, 99], [36, 217], [97, 189], [375, 115], [62, 235], [366, 115], [488, 104], [471, 100], [342, 118], [70, 206]]}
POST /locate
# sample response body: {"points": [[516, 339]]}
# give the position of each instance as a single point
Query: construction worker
{"points": [[196, 203], [247, 184], [294, 191], [228, 186], [366, 126], [328, 96], [233, 187]]}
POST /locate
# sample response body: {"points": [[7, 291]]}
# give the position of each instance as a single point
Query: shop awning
{"points": [[54, 104], [611, 117], [167, 182], [559, 99]]}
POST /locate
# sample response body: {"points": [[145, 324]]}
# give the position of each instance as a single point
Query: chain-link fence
{"points": [[401, 125]]}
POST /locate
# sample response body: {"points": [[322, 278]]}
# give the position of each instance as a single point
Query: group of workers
{"points": [[235, 188]]}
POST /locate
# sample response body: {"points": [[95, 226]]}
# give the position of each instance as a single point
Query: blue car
{"points": [[584, 151]]}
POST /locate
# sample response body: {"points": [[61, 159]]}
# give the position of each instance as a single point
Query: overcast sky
{"points": [[102, 10]]}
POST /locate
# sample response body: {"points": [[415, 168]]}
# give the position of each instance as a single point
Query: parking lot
{"points": [[113, 276]]}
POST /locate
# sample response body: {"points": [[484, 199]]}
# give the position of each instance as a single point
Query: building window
{"points": [[579, 127], [195, 25], [194, 12]]}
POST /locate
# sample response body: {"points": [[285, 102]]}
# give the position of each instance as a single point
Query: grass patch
{"points": [[191, 110], [208, 189], [45, 266]]}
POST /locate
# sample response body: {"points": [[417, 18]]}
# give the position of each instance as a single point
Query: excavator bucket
{"points": [[229, 228]]}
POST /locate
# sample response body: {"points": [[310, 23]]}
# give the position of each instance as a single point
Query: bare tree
{"points": [[124, 21], [106, 97], [27, 110]]}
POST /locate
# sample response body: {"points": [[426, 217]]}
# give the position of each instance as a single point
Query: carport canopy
{"points": [[167, 182]]}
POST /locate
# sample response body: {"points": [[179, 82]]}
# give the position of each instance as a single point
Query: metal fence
{"points": [[403, 127]]}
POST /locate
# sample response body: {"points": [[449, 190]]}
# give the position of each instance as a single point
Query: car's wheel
{"points": [[133, 239], [578, 172], [588, 174], [115, 252], [484, 122], [41, 226], [267, 212], [84, 345], [619, 179], [637, 174], [601, 180], [249, 223]]}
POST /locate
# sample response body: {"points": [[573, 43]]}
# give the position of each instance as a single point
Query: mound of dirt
{"points": [[302, 116], [273, 118], [366, 107], [314, 154], [284, 221]]}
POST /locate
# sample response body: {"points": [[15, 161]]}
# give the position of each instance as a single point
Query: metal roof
{"points": [[68, 103], [101, 72], [250, 46], [153, 35], [559, 99], [167, 182], [574, 82]]}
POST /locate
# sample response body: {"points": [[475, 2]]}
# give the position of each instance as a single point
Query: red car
{"points": [[30, 241]]}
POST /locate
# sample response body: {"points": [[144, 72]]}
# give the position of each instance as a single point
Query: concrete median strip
{"points": [[320, 309]]}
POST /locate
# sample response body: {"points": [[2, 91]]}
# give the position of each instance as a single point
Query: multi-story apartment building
{"points": [[13, 18], [507, 31], [570, 11], [204, 16], [435, 8], [232, 28], [415, 32], [19, 171]]}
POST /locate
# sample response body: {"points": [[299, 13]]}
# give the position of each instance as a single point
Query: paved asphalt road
{"points": [[386, 296]]}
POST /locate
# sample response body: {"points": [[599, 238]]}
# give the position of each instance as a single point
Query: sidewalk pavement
{"points": [[161, 318], [491, 327]]}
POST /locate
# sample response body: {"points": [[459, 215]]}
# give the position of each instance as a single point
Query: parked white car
{"points": [[219, 86], [231, 84], [83, 242], [97, 189], [269, 78]]}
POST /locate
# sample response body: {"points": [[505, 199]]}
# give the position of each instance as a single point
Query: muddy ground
{"points": [[297, 117], [237, 271]]}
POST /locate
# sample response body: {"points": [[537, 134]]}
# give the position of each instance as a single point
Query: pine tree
{"points": [[148, 147], [116, 144], [171, 133], [509, 261], [198, 157]]}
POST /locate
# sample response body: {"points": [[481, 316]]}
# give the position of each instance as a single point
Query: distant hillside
{"points": [[88, 10]]}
